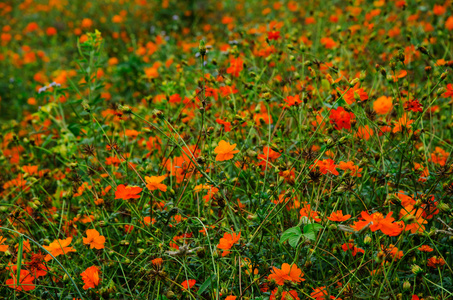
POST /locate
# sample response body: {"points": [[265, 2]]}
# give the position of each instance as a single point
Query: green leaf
{"points": [[293, 236], [206, 284], [310, 231]]}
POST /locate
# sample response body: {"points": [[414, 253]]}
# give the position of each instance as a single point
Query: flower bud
{"points": [[416, 270]]}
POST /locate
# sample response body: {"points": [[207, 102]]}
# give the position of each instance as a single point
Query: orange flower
{"points": [[127, 192], [383, 105], [25, 280], [337, 216], [236, 66], [90, 277], [225, 151], [439, 9], [268, 153], [94, 239], [157, 262], [59, 247], [154, 183], [413, 219], [306, 211], [228, 241], [449, 23], [352, 247], [392, 251], [364, 132], [349, 166], [287, 272], [187, 284], [425, 248], [435, 262], [378, 222], [3, 248], [402, 122]]}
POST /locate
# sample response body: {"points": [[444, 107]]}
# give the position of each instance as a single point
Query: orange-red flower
{"points": [[90, 277], [326, 166], [340, 118], [413, 219], [127, 192], [225, 151], [59, 247], [154, 183], [94, 239], [268, 154], [425, 248], [377, 221], [25, 280], [287, 272], [228, 241], [337, 216], [383, 105], [403, 122], [435, 262], [349, 166], [306, 211], [352, 247], [187, 284], [236, 66], [3, 248]]}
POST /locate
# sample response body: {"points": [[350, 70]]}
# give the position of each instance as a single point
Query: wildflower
{"points": [[225, 151], [377, 221], [439, 10], [226, 125], [364, 132], [290, 295], [383, 105], [94, 239], [236, 66], [449, 92], [392, 251], [337, 216], [449, 23], [349, 166], [127, 192], [157, 262], [425, 248], [326, 166], [90, 277], [154, 183], [287, 272], [35, 266], [59, 247], [413, 105], [341, 118], [228, 241], [435, 262], [439, 156], [413, 219], [230, 298], [292, 100], [3, 248], [351, 246], [403, 122], [306, 211], [25, 280], [187, 284], [354, 93], [321, 293], [268, 154]]}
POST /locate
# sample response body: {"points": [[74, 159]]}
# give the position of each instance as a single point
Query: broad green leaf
{"points": [[310, 231], [293, 236]]}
